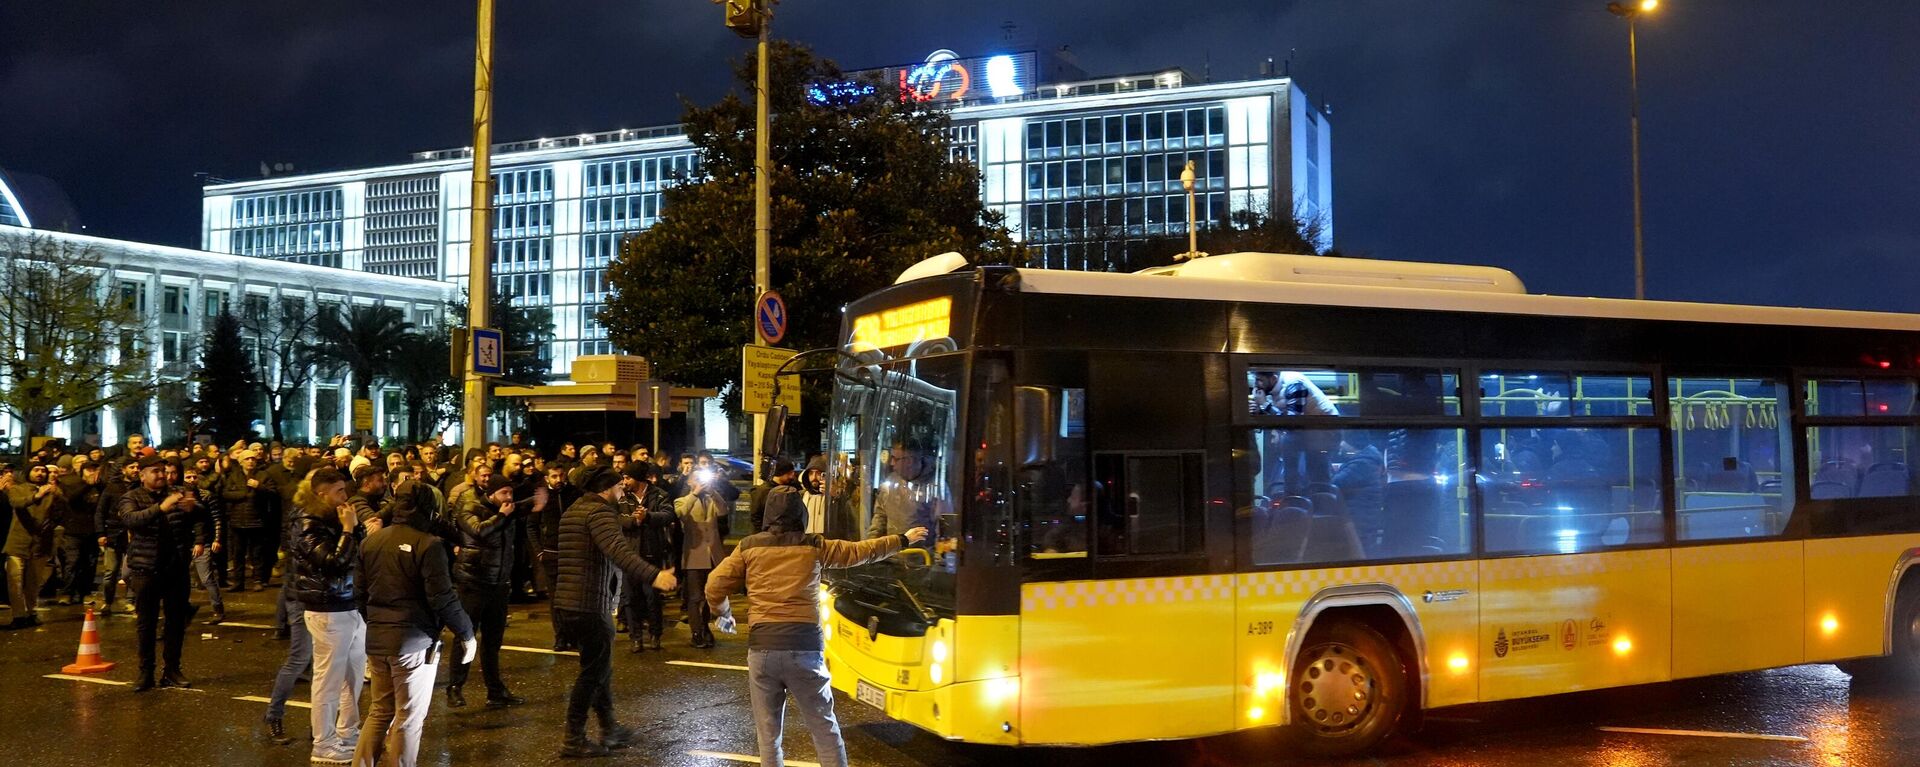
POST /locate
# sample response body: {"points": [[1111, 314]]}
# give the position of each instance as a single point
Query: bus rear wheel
{"points": [[1904, 662], [1349, 690]]}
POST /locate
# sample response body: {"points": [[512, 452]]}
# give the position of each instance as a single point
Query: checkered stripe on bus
{"points": [[1056, 596]]}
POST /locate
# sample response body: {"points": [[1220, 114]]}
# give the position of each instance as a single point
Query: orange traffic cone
{"points": [[88, 660]]}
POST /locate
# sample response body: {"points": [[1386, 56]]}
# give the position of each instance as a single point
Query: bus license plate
{"points": [[870, 694]]}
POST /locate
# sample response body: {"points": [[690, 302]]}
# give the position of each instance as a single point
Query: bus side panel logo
{"points": [[1500, 644], [1569, 635]]}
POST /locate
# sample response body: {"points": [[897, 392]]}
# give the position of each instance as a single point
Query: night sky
{"points": [[1779, 147]]}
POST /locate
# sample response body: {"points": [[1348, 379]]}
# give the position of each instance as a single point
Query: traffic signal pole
{"points": [[473, 429]]}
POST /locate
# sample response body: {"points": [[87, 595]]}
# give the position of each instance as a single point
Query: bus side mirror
{"points": [[776, 428], [1036, 423]]}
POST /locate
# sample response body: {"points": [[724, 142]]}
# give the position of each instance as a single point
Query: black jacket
{"points": [[486, 542], [159, 540], [557, 503], [407, 592], [106, 517], [285, 482], [248, 507], [657, 536], [325, 557], [83, 503], [592, 548]]}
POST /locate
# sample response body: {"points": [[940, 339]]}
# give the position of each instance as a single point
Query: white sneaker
{"points": [[333, 757]]}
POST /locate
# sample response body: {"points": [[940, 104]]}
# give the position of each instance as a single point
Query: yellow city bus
{"points": [[1259, 490]]}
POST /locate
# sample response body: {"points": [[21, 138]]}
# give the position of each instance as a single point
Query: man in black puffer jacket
{"points": [[592, 550], [326, 556], [481, 574], [165, 532]]}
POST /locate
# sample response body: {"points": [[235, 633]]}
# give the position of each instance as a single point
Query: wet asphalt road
{"points": [[1818, 714]]}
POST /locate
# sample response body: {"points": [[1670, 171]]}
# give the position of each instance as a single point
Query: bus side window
{"points": [[1733, 470], [1050, 470]]}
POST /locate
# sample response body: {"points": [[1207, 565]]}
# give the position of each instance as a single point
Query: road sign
{"points": [[770, 316], [757, 364], [362, 415], [656, 400], [489, 352]]}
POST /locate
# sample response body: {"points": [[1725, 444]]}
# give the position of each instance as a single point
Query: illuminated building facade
{"points": [[1081, 167]]}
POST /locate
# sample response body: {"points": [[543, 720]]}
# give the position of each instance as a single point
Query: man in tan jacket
{"points": [[786, 651]]}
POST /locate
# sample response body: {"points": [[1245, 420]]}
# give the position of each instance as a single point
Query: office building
{"points": [[1079, 166]]}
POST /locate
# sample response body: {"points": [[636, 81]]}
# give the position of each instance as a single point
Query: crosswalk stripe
{"points": [[1705, 734], [746, 759], [698, 664], [239, 625], [77, 678], [258, 699], [540, 650]]}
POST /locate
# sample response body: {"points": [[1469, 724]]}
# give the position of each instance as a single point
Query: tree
{"points": [[427, 387], [228, 398], [287, 354], [527, 333], [1112, 246], [365, 340], [863, 187], [68, 344]]}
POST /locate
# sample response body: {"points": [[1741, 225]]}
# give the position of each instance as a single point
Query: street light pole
{"points": [[1632, 13], [1187, 178], [479, 295]]}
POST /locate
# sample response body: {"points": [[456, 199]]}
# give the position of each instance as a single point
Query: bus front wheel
{"points": [[1348, 691], [1904, 662]]}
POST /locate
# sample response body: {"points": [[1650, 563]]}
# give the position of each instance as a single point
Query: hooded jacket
{"points": [[781, 571]]}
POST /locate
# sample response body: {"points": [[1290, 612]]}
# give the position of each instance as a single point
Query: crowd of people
{"points": [[380, 554]]}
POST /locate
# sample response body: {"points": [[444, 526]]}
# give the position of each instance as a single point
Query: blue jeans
{"points": [[203, 569], [774, 674], [299, 657]]}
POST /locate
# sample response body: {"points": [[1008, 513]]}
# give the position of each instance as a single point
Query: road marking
{"points": [[746, 759], [540, 650], [258, 699], [1705, 734], [97, 680], [698, 664], [239, 625], [76, 678]]}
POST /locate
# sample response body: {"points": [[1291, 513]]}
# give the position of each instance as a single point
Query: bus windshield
{"points": [[891, 436]]}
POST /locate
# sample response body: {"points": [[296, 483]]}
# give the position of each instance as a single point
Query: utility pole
{"points": [[473, 430], [754, 18]]}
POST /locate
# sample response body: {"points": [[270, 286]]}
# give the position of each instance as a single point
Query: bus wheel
{"points": [[1349, 690], [1904, 662]]}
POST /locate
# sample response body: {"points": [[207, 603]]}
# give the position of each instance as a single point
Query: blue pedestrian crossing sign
{"points": [[489, 352], [770, 317]]}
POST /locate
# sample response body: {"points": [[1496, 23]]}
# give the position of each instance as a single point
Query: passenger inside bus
{"points": [[1295, 459]]}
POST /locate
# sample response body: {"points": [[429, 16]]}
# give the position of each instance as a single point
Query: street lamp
{"points": [[1631, 12], [1193, 234]]}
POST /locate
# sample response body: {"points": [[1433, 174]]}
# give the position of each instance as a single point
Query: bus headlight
{"points": [[935, 673], [939, 651]]}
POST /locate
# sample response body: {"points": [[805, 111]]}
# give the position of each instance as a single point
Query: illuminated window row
{"points": [[1127, 133], [294, 207], [646, 174], [522, 255], [517, 186], [1113, 176], [609, 214], [297, 239]]}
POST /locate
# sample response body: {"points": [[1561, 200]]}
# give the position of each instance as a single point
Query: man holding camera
{"points": [[167, 529]]}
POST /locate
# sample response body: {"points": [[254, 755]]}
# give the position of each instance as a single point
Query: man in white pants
{"points": [[326, 558]]}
